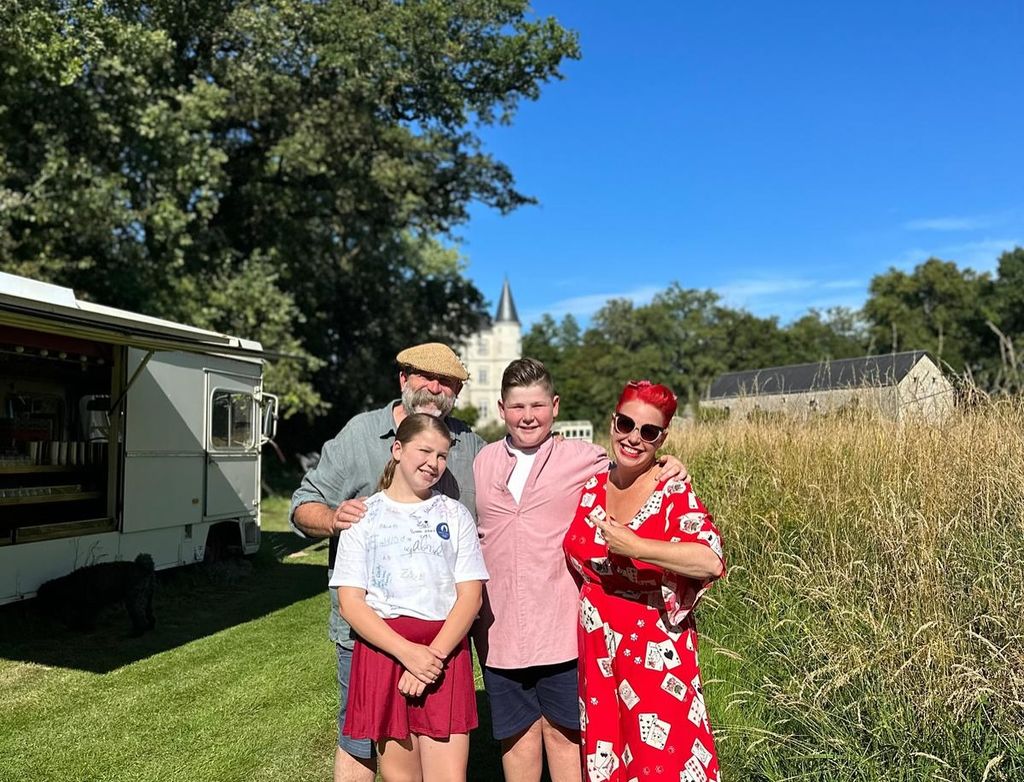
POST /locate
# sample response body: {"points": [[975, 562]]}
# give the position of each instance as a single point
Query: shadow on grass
{"points": [[484, 751], [189, 603]]}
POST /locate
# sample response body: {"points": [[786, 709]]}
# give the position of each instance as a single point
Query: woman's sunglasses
{"points": [[649, 433]]}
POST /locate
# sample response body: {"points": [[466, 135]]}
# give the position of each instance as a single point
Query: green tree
{"points": [[670, 340], [275, 166], [937, 307], [541, 343], [823, 336], [468, 414], [1008, 298], [1008, 314], [569, 333], [553, 343]]}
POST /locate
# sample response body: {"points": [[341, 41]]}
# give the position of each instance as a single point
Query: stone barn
{"points": [[896, 385]]}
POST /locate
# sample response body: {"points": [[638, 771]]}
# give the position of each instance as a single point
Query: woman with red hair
{"points": [[645, 551]]}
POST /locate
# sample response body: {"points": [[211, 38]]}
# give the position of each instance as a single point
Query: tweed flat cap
{"points": [[435, 358]]}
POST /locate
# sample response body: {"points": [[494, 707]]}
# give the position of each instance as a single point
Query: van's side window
{"points": [[231, 419]]}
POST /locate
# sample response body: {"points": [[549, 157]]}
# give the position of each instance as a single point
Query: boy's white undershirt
{"points": [[524, 463]]}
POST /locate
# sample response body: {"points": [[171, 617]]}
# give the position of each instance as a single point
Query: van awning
{"points": [[40, 306]]}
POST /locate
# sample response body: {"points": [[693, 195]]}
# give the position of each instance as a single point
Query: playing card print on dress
{"points": [[649, 508], [698, 712], [713, 541], [602, 763], [628, 696], [589, 617], [674, 686], [653, 730], [649, 714]]}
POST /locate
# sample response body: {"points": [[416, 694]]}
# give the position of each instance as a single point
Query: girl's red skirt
{"points": [[377, 710]]}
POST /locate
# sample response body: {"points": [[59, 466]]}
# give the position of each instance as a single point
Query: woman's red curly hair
{"points": [[653, 394]]}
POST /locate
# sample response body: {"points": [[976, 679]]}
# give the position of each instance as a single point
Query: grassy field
{"points": [[872, 624], [871, 628]]}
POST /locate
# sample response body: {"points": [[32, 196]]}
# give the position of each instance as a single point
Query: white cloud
{"points": [[786, 297], [789, 298], [582, 307], [965, 223], [980, 255], [743, 290], [842, 285]]}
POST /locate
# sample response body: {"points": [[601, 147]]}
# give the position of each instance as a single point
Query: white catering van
{"points": [[121, 434]]}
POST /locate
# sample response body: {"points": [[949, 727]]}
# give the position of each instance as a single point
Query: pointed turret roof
{"points": [[506, 307]]}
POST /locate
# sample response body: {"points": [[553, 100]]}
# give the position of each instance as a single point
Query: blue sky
{"points": [[780, 154]]}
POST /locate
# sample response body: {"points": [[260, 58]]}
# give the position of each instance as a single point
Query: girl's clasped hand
{"points": [[422, 663]]}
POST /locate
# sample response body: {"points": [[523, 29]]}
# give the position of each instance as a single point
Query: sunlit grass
{"points": [[236, 683], [252, 700], [872, 624]]}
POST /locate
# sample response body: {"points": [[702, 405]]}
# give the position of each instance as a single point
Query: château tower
{"points": [[486, 354]]}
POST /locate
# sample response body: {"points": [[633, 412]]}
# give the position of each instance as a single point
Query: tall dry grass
{"points": [[872, 624]]}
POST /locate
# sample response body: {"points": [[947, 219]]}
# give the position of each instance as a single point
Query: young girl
{"points": [[409, 580]]}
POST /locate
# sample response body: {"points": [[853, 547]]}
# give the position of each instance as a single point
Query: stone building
{"points": [[895, 385], [486, 354]]}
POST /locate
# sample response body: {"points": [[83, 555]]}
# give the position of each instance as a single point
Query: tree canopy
{"points": [[970, 322], [682, 338], [280, 169]]}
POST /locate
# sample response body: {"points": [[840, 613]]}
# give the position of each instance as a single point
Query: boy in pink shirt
{"points": [[527, 488]]}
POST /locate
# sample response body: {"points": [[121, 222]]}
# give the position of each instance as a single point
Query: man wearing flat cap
{"points": [[430, 377]]}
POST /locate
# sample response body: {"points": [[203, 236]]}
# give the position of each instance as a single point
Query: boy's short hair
{"points": [[525, 372]]}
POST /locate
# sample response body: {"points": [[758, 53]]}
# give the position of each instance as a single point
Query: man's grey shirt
{"points": [[351, 465]]}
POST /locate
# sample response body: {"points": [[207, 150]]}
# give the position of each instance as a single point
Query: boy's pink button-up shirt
{"points": [[531, 600]]}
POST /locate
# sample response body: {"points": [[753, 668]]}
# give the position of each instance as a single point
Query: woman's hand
{"points": [[410, 686], [620, 538], [422, 662], [671, 467]]}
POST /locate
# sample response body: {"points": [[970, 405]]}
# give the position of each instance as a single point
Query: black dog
{"points": [[76, 599]]}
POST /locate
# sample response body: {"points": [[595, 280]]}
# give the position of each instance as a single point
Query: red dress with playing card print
{"points": [[641, 705]]}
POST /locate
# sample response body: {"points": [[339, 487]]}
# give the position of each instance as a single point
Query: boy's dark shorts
{"points": [[519, 696]]}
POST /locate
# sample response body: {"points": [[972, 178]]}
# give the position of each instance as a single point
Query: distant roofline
{"points": [[826, 361], [774, 372]]}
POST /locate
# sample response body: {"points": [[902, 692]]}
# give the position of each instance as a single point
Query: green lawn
{"points": [[236, 682]]}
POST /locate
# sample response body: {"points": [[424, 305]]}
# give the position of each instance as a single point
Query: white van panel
{"points": [[165, 546], [164, 409], [231, 486], [162, 491], [25, 566]]}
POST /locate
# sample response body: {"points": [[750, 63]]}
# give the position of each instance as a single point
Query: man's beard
{"points": [[422, 401]]}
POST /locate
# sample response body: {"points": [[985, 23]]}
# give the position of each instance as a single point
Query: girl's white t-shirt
{"points": [[409, 556]]}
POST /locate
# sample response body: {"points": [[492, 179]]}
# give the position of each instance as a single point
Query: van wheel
{"points": [[222, 542]]}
